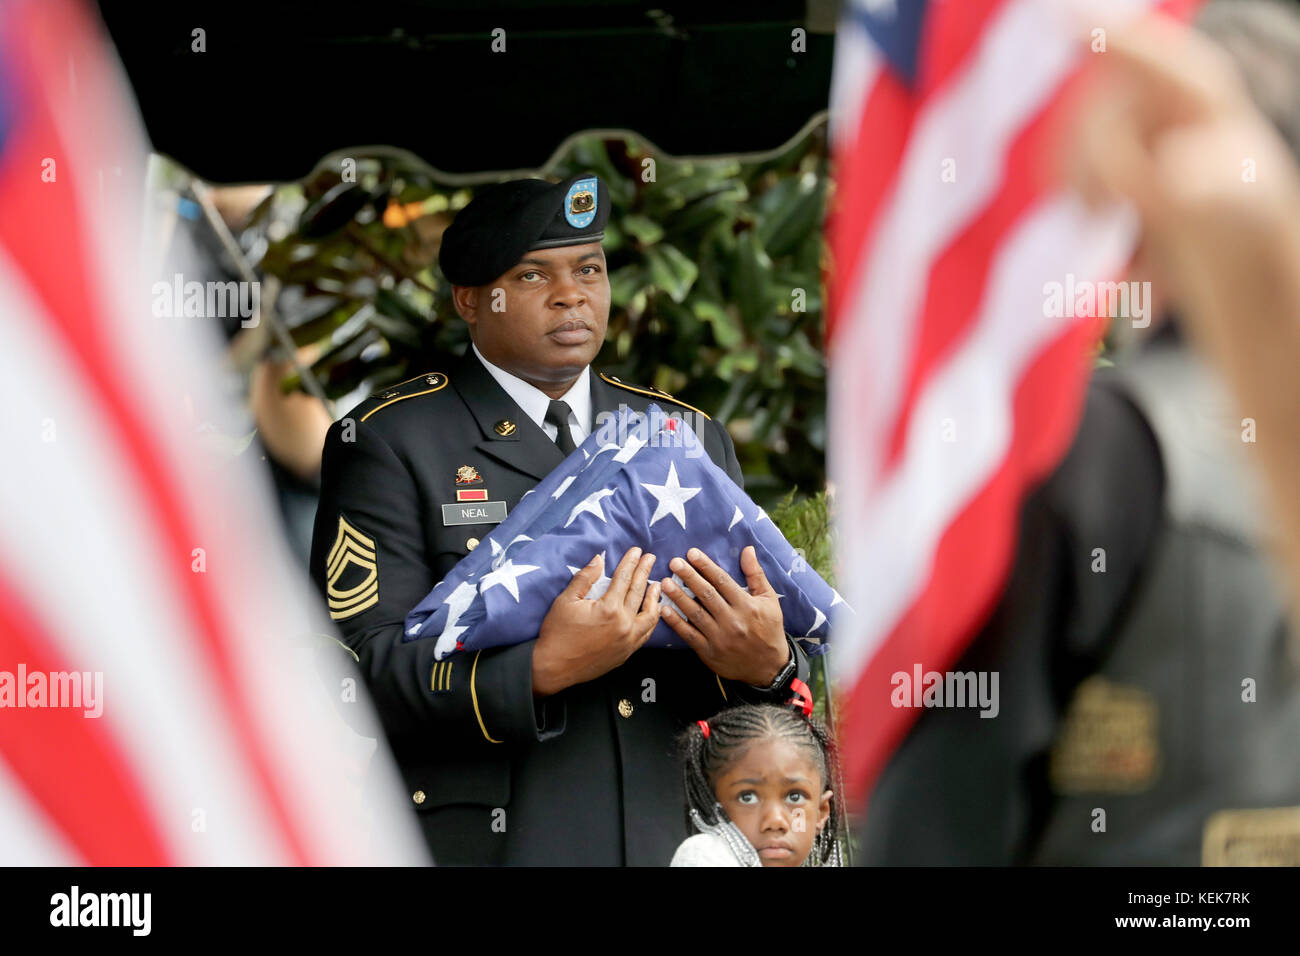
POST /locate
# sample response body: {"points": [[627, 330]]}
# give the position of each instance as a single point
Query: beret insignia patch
{"points": [[580, 203], [352, 577]]}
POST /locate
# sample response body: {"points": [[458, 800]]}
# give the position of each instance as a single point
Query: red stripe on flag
{"points": [[971, 562], [70, 764], [43, 229], [865, 175], [958, 278]]}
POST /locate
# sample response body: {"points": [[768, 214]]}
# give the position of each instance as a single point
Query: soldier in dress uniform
{"points": [[558, 750]]}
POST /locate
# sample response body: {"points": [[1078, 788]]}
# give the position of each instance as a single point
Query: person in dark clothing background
{"points": [[1150, 680]]}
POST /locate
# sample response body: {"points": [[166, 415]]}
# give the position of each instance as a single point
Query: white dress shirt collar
{"points": [[535, 402]]}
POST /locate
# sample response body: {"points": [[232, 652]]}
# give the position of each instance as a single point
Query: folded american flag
{"points": [[641, 479]]}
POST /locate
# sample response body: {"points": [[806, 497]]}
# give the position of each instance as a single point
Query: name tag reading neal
{"points": [[474, 512]]}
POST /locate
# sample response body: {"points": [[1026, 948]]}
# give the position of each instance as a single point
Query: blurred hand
{"points": [[292, 427], [580, 640], [1170, 128], [739, 634]]}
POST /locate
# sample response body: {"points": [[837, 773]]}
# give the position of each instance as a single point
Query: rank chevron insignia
{"points": [[352, 550]]}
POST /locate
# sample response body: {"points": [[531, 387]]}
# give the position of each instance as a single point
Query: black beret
{"points": [[506, 220]]}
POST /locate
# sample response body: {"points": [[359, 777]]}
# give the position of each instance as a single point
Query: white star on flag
{"points": [[499, 553], [738, 516], [507, 576], [590, 503], [564, 486], [818, 620], [671, 497], [458, 602], [633, 445]]}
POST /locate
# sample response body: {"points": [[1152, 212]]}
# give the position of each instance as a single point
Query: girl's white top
{"points": [[704, 849]]}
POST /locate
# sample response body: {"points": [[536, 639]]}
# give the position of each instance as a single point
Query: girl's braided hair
{"points": [[731, 731]]}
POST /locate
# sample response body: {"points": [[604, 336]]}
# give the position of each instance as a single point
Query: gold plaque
{"points": [[1109, 742], [1269, 837]]}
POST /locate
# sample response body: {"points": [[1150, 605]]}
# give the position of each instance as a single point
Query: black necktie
{"points": [[558, 415]]}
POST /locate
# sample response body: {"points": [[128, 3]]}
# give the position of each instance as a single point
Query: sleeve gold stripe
{"points": [[344, 615], [365, 559], [643, 391], [473, 696], [336, 559], [399, 398], [346, 532], [441, 676], [720, 687], [343, 603], [342, 596], [371, 578]]}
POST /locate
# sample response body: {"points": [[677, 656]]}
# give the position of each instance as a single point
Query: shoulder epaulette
{"points": [[652, 392], [424, 384]]}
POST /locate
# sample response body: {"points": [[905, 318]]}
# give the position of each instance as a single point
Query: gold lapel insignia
{"points": [[467, 475], [351, 549], [505, 427]]}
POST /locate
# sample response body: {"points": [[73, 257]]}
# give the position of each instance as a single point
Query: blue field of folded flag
{"points": [[642, 479]]}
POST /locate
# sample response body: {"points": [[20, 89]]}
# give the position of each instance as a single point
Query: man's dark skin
{"points": [[554, 310]]}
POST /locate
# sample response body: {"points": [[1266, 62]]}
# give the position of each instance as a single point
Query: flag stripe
{"points": [[959, 274], [59, 756], [884, 124], [161, 708], [972, 557], [977, 116], [65, 289], [916, 508]]}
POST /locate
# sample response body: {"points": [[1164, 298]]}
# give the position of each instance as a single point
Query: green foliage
{"points": [[806, 524], [715, 274]]}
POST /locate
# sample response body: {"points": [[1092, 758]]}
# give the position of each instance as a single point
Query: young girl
{"points": [[758, 789]]}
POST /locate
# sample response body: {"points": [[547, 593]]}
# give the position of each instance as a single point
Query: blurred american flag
{"points": [[125, 552]]}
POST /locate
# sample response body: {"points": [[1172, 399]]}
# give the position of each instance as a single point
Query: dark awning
{"points": [[282, 84]]}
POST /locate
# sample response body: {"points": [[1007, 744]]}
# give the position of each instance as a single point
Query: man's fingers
{"points": [[648, 618], [690, 609], [636, 591], [581, 582], [704, 591], [621, 579], [754, 575], [686, 631], [731, 591]]}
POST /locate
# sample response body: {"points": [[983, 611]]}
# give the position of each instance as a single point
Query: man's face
{"points": [[543, 320]]}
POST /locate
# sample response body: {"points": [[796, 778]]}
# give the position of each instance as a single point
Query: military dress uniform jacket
{"points": [[587, 776]]}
